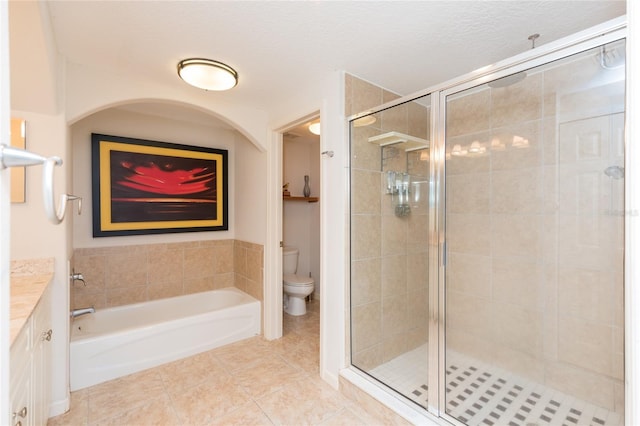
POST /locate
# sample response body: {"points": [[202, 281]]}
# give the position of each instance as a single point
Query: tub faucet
{"points": [[82, 311], [77, 276]]}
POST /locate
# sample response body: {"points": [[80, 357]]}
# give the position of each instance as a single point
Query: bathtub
{"points": [[122, 340]]}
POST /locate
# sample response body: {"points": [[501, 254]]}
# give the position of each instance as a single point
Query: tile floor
{"points": [[252, 382]]}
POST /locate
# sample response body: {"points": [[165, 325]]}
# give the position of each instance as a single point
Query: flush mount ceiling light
{"points": [[315, 128], [207, 74], [364, 121]]}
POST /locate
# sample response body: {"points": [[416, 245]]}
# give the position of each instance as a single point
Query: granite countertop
{"points": [[29, 280]]}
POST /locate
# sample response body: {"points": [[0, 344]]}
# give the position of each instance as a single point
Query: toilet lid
{"points": [[291, 279]]}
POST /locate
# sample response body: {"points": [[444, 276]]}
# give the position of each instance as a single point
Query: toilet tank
{"points": [[289, 260]]}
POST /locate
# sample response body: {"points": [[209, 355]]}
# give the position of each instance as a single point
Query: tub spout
{"points": [[82, 311]]}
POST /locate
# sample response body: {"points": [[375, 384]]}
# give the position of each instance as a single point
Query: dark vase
{"points": [[306, 191]]}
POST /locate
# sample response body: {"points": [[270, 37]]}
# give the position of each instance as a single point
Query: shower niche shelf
{"points": [[400, 140]]}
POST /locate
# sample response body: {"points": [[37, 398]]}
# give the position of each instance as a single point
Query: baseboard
{"points": [[57, 408]]}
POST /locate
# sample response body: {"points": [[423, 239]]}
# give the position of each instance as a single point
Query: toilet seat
{"points": [[297, 280]]}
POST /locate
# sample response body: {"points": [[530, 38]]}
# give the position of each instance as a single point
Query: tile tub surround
{"points": [[130, 274]]}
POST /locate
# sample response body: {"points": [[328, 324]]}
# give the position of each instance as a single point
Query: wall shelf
{"points": [[307, 199], [406, 142]]}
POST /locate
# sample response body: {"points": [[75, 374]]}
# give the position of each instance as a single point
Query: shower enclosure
{"points": [[487, 236]]}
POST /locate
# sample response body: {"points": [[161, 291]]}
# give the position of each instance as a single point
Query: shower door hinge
{"points": [[281, 244]]}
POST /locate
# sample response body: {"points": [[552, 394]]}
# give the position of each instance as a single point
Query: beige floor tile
{"points": [[267, 375], [185, 373], [124, 394], [78, 411], [155, 412], [345, 417], [247, 415], [239, 355], [201, 404], [305, 402], [305, 358]]}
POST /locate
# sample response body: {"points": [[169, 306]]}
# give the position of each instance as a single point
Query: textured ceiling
{"points": [[281, 49]]}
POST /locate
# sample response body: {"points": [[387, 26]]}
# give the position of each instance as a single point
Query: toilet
{"points": [[296, 287]]}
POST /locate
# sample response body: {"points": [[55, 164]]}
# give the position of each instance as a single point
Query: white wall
{"points": [[250, 196], [118, 122], [301, 220], [33, 236]]}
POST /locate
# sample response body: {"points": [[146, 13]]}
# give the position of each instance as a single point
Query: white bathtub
{"points": [[122, 340]]}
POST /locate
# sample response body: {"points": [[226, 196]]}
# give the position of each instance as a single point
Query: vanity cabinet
{"points": [[30, 367]]}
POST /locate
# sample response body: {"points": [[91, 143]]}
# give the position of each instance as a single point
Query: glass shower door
{"points": [[389, 247], [534, 177]]}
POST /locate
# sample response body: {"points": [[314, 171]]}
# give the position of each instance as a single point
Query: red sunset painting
{"points": [[153, 187]]}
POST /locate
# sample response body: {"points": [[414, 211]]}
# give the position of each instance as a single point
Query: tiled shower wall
{"points": [[534, 276], [131, 274], [389, 287]]}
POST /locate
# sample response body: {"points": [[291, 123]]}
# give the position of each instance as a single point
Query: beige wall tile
{"points": [[394, 276], [581, 384], [368, 359], [581, 343], [366, 283], [165, 265], [197, 285], [364, 154], [367, 326], [93, 268], [417, 271], [469, 233], [468, 193], [469, 274], [518, 282], [366, 236], [524, 365], [464, 164], [163, 290], [516, 158], [364, 95], [586, 294], [126, 295], [517, 328], [518, 102], [366, 192], [516, 235], [199, 262], [517, 191], [394, 346], [223, 256], [84, 300], [394, 315], [420, 118], [468, 114], [394, 159], [394, 235], [128, 269], [417, 308], [468, 314], [395, 119]]}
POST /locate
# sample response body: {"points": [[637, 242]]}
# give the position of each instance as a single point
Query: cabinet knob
{"points": [[22, 413], [46, 335]]}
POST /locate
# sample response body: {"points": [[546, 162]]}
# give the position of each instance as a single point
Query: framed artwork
{"points": [[149, 187]]}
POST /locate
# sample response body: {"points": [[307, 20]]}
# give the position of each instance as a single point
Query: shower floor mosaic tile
{"points": [[480, 394]]}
